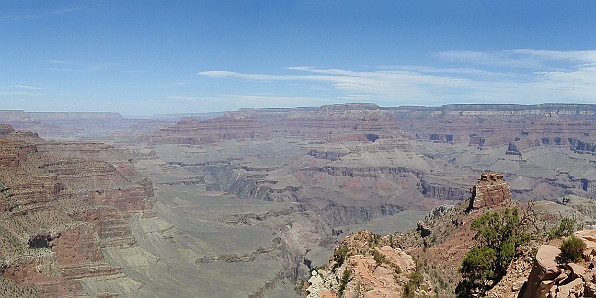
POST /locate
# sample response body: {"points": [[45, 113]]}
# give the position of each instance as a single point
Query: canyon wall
{"points": [[61, 203]]}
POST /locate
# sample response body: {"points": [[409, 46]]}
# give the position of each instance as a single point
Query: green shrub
{"points": [[566, 227], [339, 254], [499, 234], [501, 231], [379, 257], [572, 248], [478, 264], [345, 277], [374, 240], [414, 282]]}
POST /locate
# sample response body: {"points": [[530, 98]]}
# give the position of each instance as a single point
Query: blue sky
{"points": [[148, 57]]}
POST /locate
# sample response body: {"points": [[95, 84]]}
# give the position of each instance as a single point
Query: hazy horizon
{"points": [[150, 57], [132, 116]]}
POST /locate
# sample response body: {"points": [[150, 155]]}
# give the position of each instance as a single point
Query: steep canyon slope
{"points": [[62, 203]]}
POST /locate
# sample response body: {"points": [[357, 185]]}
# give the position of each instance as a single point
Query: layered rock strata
{"points": [[60, 205], [490, 190]]}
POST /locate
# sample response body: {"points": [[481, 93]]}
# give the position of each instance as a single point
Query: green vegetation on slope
{"points": [[572, 248], [499, 235], [566, 227]]}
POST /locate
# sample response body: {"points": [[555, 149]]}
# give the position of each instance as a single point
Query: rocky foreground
{"points": [[552, 278], [427, 262]]}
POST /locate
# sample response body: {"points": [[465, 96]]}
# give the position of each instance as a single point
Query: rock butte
{"points": [[490, 190]]}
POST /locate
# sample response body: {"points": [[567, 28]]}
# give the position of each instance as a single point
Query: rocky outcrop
{"points": [[336, 214], [490, 190], [512, 149], [326, 154], [194, 131], [360, 171], [365, 265], [582, 147], [589, 238], [5, 129], [443, 192], [544, 272], [551, 278], [436, 137]]}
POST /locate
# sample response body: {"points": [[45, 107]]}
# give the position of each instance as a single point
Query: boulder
{"points": [[544, 288], [589, 238], [573, 289], [578, 271], [545, 269]]}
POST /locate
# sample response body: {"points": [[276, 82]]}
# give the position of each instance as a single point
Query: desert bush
{"points": [[566, 227], [339, 254], [345, 277], [572, 248], [499, 234], [478, 267], [379, 257], [414, 282], [501, 231]]}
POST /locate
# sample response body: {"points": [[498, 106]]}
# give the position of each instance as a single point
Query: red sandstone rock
{"points": [[82, 193], [589, 238], [490, 190], [543, 273], [351, 122]]}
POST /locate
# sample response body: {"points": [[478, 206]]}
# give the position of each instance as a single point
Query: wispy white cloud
{"points": [[38, 14], [530, 76], [544, 55], [258, 100], [17, 93], [20, 90], [28, 87], [61, 69], [59, 62], [69, 66], [519, 58]]}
